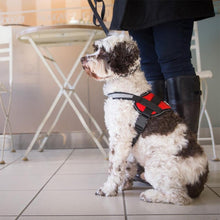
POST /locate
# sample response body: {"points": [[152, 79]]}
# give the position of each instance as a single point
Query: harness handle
{"points": [[96, 15]]}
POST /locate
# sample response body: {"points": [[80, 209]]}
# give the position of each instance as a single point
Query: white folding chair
{"points": [[204, 75], [6, 90]]}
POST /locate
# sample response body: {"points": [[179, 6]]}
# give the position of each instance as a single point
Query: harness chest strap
{"points": [[148, 105]]}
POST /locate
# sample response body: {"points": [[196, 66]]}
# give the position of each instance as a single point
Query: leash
{"points": [[96, 15]]}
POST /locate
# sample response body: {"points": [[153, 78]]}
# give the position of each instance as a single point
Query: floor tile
{"points": [[20, 182], [48, 155], [214, 178], [40, 168], [76, 182], [72, 218], [10, 157], [207, 203], [87, 156], [83, 168], [13, 202], [70, 192], [74, 203], [209, 152], [217, 190], [175, 217], [7, 217]]}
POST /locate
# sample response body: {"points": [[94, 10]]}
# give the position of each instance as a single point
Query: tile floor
{"points": [[60, 185]]}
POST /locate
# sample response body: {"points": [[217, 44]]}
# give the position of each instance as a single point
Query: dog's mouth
{"points": [[89, 72]]}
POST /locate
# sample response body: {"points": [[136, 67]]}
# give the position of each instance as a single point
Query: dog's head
{"points": [[114, 56]]}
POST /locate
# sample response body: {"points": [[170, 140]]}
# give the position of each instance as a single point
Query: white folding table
{"points": [[43, 37]]}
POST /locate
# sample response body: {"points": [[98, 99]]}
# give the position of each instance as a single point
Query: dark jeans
{"points": [[165, 49]]}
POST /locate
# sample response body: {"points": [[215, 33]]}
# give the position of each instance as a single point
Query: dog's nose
{"points": [[83, 59]]}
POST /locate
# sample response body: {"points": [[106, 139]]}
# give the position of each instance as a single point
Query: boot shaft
{"points": [[158, 88], [184, 98]]}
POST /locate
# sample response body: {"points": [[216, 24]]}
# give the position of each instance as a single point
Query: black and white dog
{"points": [[175, 165]]}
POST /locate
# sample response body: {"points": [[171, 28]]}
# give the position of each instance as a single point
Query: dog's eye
{"points": [[102, 51], [95, 47]]}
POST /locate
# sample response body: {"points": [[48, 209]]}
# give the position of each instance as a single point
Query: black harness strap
{"points": [[150, 105], [96, 15], [150, 108]]}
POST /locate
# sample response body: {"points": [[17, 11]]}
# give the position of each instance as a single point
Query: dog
{"points": [[175, 164]]}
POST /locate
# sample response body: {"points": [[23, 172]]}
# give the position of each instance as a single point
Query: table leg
{"points": [[72, 88], [42, 125], [62, 91]]}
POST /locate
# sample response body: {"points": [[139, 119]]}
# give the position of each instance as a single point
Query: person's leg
{"points": [[149, 60], [172, 45]]}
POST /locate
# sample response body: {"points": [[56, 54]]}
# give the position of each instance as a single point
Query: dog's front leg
{"points": [[117, 164]]}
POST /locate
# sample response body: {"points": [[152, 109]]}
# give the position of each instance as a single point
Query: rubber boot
{"points": [[158, 88], [184, 98]]}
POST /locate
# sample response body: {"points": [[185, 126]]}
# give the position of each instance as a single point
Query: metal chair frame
{"points": [[204, 75]]}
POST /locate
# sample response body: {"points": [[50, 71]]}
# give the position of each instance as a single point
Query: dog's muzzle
{"points": [[85, 67], [84, 61]]}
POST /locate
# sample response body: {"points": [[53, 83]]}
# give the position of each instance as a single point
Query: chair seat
{"points": [[205, 74]]}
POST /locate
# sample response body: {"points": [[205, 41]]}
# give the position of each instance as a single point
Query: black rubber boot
{"points": [[184, 98], [158, 88]]}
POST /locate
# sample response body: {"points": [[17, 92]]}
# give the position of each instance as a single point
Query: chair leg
{"points": [[215, 158], [204, 88], [3, 134]]}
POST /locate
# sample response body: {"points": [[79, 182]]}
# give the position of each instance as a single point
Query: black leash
{"points": [[96, 15]]}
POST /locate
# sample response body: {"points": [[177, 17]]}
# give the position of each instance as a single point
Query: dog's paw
{"points": [[127, 185], [177, 198], [144, 197], [105, 192], [152, 195], [99, 192]]}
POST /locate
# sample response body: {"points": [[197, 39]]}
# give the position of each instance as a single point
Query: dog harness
{"points": [[148, 105]]}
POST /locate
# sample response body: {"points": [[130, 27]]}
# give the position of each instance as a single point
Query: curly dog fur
{"points": [[175, 164]]}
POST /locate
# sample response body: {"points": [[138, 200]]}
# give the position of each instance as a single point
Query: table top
{"points": [[60, 34]]}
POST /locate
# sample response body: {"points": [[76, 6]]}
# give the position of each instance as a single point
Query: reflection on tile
{"points": [[48, 155], [209, 152], [83, 168], [214, 178], [40, 168], [175, 217], [76, 182], [87, 156], [10, 157], [7, 217], [217, 190], [74, 203], [13, 202], [208, 202], [72, 218], [74, 176], [19, 182]]}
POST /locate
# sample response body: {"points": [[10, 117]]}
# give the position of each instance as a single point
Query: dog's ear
{"points": [[123, 57]]}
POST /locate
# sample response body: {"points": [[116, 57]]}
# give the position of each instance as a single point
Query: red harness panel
{"points": [[162, 105]]}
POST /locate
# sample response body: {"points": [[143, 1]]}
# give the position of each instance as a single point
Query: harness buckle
{"points": [[141, 123]]}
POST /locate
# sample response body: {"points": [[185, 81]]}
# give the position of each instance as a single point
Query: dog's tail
{"points": [[194, 190]]}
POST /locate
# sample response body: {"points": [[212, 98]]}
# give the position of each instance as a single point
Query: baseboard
{"points": [[204, 132], [78, 140], [55, 141]]}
